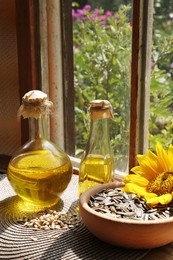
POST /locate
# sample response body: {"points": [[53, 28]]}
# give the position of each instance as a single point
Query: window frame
{"points": [[140, 78], [28, 62], [32, 66]]}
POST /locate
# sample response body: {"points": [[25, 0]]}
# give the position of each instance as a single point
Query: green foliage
{"points": [[109, 4], [102, 55], [161, 101]]}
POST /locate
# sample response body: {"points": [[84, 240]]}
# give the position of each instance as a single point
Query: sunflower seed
{"points": [[33, 238], [51, 219], [118, 204]]}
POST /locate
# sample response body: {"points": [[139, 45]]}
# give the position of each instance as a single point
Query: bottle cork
{"points": [[100, 109], [35, 103]]}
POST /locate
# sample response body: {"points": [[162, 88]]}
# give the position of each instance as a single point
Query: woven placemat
{"points": [[16, 241]]}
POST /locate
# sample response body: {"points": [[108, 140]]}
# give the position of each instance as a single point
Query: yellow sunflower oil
{"points": [[95, 170], [39, 177]]}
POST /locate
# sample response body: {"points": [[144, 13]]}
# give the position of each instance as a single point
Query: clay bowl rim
{"points": [[84, 199]]}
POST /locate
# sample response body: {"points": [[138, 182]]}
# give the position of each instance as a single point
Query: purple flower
{"points": [[103, 19], [87, 7], [94, 15], [74, 14], [80, 12], [97, 11], [108, 14], [171, 65]]}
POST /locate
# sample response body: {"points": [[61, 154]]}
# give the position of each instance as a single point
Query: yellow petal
{"points": [[136, 169], [145, 170], [141, 157], [148, 165], [163, 161], [152, 159], [151, 155], [136, 179], [148, 170], [163, 199], [149, 195], [170, 156], [153, 201], [138, 190]]}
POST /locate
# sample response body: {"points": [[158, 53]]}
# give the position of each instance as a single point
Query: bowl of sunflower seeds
{"points": [[124, 219]]}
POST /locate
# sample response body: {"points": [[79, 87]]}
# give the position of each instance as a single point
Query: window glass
{"points": [[102, 57], [161, 91]]}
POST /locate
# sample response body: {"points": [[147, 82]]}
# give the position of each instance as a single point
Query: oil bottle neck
{"points": [[38, 128], [99, 137]]}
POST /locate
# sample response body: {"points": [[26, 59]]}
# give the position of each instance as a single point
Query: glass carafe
{"points": [[97, 164], [39, 171]]}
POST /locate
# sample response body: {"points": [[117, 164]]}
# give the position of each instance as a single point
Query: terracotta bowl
{"points": [[124, 232]]}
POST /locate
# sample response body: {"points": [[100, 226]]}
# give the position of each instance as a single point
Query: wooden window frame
{"points": [[28, 67], [32, 66], [140, 77]]}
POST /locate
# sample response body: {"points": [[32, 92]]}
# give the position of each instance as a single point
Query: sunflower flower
{"points": [[153, 178]]}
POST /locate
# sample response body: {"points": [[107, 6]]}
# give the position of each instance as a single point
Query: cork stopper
{"points": [[35, 103], [100, 109]]}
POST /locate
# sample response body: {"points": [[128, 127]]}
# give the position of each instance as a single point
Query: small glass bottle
{"points": [[97, 164], [39, 171]]}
